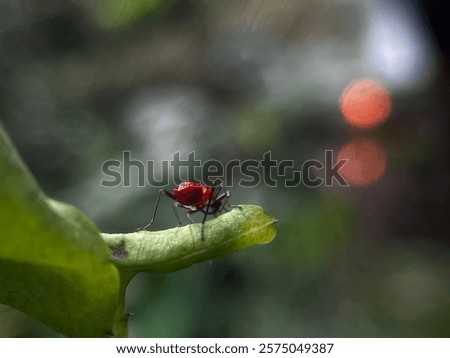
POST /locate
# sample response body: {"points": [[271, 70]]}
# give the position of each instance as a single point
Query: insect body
{"points": [[194, 197], [192, 194]]}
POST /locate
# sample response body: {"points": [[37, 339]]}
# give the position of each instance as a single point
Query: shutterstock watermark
{"points": [[249, 173]]}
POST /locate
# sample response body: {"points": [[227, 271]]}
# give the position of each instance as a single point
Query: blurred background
{"points": [[82, 81]]}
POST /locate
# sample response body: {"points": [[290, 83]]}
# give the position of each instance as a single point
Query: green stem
{"points": [[120, 324]]}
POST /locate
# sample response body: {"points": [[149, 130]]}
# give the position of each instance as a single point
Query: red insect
{"points": [[195, 197]]}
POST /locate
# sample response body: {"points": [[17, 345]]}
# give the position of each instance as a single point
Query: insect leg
{"points": [[226, 202], [211, 196], [161, 191], [175, 206], [190, 210], [188, 216]]}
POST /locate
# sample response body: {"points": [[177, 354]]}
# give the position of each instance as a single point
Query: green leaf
{"points": [[57, 267], [174, 249], [54, 264]]}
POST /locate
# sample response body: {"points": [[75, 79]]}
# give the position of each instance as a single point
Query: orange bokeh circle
{"points": [[366, 161], [365, 103]]}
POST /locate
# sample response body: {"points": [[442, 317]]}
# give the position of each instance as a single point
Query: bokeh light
{"points": [[396, 48], [365, 103], [366, 161]]}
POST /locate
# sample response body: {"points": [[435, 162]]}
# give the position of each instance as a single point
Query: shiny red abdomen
{"points": [[192, 194]]}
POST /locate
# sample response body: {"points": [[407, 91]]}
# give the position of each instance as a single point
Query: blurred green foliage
{"points": [[117, 13], [307, 246], [257, 130]]}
